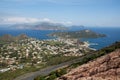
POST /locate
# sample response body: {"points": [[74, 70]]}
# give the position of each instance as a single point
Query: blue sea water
{"points": [[38, 34], [113, 35]]}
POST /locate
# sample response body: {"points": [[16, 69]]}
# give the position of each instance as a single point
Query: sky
{"points": [[78, 12]]}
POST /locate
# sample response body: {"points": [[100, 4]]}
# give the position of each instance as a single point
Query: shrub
{"points": [[52, 77], [60, 72]]}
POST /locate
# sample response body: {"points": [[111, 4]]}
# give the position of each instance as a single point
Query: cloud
{"points": [[47, 20], [22, 20], [17, 20]]}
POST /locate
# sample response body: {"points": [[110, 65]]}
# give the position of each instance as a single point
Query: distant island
{"points": [[77, 34], [40, 26]]}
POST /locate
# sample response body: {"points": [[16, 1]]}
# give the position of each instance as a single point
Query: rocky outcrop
{"points": [[104, 68]]}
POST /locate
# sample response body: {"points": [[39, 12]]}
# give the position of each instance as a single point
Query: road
{"points": [[45, 71]]}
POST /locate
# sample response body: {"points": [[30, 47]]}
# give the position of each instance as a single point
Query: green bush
{"points": [[40, 78], [60, 72], [52, 77]]}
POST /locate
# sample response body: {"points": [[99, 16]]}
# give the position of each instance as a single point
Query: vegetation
{"points": [[78, 34], [52, 75], [84, 60], [9, 38], [10, 75], [97, 54], [54, 60]]}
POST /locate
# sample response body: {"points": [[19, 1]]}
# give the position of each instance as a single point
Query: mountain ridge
{"points": [[39, 26]]}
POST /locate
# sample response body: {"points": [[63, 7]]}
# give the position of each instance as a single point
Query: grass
{"points": [[59, 59], [10, 75], [52, 75]]}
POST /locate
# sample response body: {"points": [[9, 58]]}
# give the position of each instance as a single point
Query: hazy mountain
{"points": [[40, 26]]}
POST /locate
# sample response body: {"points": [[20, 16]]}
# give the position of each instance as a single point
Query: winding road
{"points": [[46, 71]]}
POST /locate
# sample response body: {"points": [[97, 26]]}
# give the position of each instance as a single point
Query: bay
{"points": [[113, 35]]}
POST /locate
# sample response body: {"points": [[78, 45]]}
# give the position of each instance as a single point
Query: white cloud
{"points": [[22, 20], [17, 20], [69, 22], [47, 20]]}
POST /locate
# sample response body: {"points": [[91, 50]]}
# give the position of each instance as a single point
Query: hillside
{"points": [[10, 38], [103, 64], [104, 68], [78, 34]]}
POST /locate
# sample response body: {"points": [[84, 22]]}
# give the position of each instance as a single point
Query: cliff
{"points": [[104, 68]]}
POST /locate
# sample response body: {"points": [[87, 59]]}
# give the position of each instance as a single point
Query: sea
{"points": [[113, 35]]}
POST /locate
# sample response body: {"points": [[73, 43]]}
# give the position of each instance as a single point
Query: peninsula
{"points": [[77, 34]]}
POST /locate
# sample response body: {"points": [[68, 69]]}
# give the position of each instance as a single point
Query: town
{"points": [[31, 51]]}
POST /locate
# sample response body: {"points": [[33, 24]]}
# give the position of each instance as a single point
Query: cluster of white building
{"points": [[33, 49]]}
